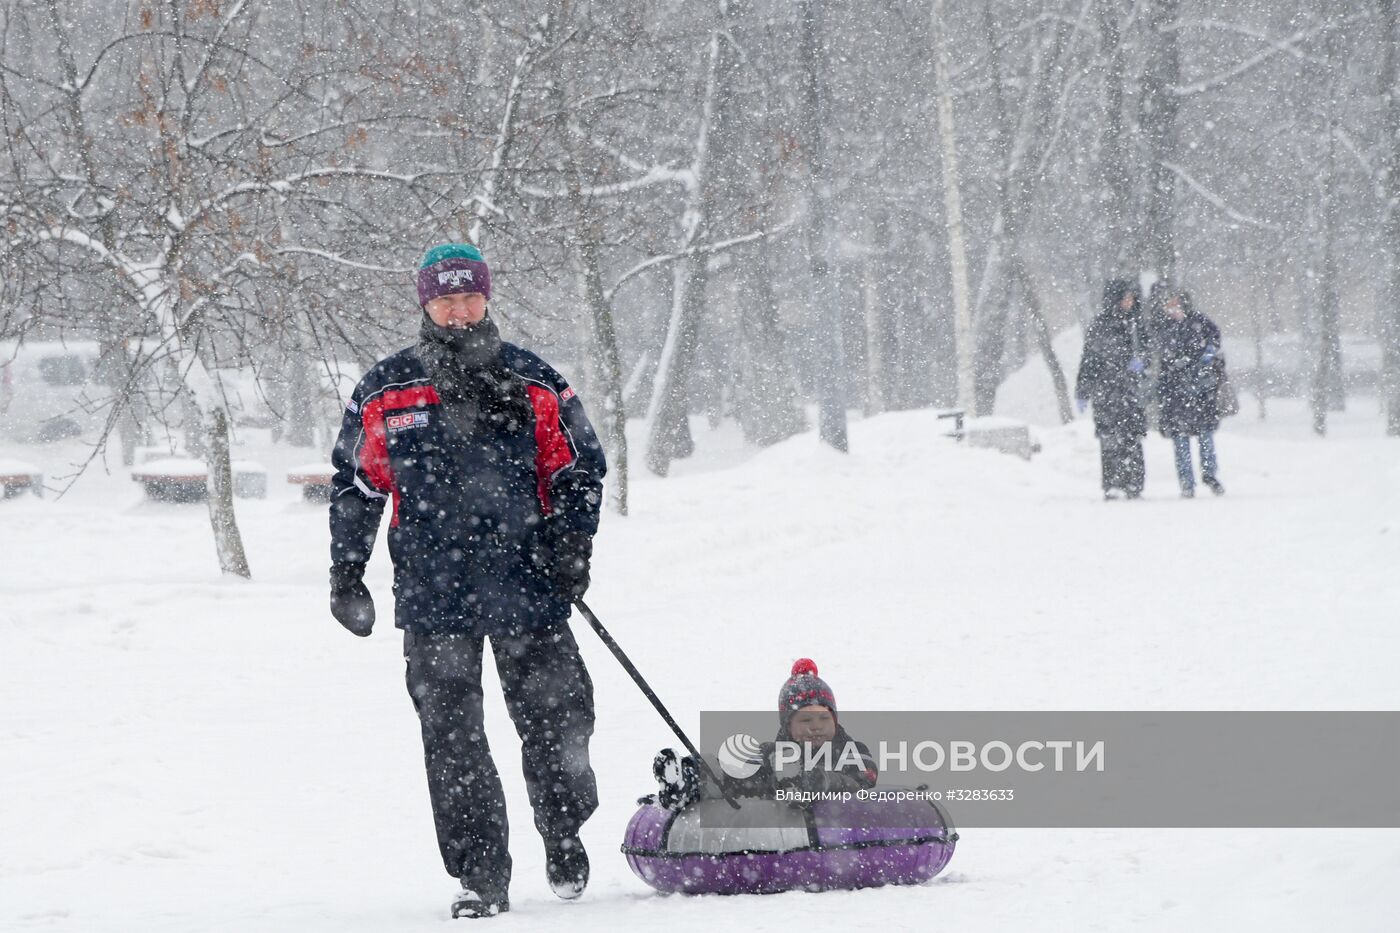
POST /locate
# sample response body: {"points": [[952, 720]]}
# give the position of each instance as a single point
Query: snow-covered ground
{"points": [[182, 752]]}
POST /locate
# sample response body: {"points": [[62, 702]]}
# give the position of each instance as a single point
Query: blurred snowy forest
{"points": [[721, 207]]}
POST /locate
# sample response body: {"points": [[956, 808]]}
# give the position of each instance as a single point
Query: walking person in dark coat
{"points": [[1188, 387], [495, 478], [1110, 378]]}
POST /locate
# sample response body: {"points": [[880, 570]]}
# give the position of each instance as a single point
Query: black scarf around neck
{"points": [[462, 349], [465, 366]]}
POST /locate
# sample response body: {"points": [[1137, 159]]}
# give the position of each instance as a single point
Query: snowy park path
{"points": [[180, 752]]}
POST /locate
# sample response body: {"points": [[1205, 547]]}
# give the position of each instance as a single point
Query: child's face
{"points": [[814, 725]]}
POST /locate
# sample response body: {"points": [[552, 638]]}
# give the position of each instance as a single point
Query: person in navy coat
{"points": [[493, 478]]}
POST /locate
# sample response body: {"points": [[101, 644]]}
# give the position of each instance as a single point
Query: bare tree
{"points": [[670, 401], [1157, 111], [1116, 193], [826, 301], [244, 186], [1390, 179], [1025, 147], [183, 200], [1326, 392], [952, 206]]}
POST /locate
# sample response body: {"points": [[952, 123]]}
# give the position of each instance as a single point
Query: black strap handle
{"points": [[640, 681]]}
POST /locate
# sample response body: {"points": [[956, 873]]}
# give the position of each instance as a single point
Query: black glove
{"points": [[572, 552], [351, 603]]}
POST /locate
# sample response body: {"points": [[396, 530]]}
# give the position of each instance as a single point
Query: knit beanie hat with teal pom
{"points": [[452, 269]]}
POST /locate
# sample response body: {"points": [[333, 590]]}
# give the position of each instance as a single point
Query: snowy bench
{"points": [[1004, 434], [181, 479], [957, 414], [314, 480], [16, 477]]}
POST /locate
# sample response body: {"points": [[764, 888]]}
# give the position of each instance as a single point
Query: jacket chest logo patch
{"points": [[412, 419]]}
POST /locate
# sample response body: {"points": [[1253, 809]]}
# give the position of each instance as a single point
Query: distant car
{"points": [[47, 389]]}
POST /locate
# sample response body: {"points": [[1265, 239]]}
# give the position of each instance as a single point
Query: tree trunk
{"points": [[607, 357], [826, 303], [882, 342], [1327, 393], [952, 206], [1043, 338], [765, 401], [1326, 390], [228, 543], [300, 413], [1118, 213], [1390, 313], [206, 414], [874, 401], [117, 375], [995, 300], [1158, 110], [1256, 326], [992, 308], [607, 370], [1019, 146], [670, 437]]}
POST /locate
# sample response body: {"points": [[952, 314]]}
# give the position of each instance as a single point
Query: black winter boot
{"points": [[479, 902], [566, 865], [677, 779]]}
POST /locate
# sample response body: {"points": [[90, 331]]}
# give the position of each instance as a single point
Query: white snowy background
{"points": [[183, 752]]}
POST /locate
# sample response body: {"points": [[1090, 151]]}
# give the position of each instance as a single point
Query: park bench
{"points": [[183, 479], [1004, 434], [314, 480], [16, 477]]}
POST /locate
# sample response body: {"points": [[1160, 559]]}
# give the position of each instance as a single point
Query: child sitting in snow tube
{"points": [[806, 716], [688, 838]]}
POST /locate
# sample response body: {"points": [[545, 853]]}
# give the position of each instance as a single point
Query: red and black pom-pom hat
{"points": [[804, 688]]}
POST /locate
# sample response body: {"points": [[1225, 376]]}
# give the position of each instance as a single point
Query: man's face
{"points": [[1127, 301], [814, 725], [457, 310], [1174, 310]]}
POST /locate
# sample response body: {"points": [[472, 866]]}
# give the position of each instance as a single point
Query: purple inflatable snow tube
{"points": [[769, 846]]}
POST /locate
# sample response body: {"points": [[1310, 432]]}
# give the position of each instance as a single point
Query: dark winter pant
{"points": [[550, 699], [1121, 459], [1181, 445]]}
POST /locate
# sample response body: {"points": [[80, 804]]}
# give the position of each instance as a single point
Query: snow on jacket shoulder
{"points": [[473, 513]]}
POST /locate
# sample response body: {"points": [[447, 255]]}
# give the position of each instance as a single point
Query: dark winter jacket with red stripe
{"points": [[474, 511]]}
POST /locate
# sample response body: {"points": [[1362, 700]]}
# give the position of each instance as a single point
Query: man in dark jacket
{"points": [[1188, 387], [495, 478], [1110, 377]]}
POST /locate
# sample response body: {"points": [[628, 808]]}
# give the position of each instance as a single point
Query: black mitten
{"points": [[572, 552], [351, 604]]}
